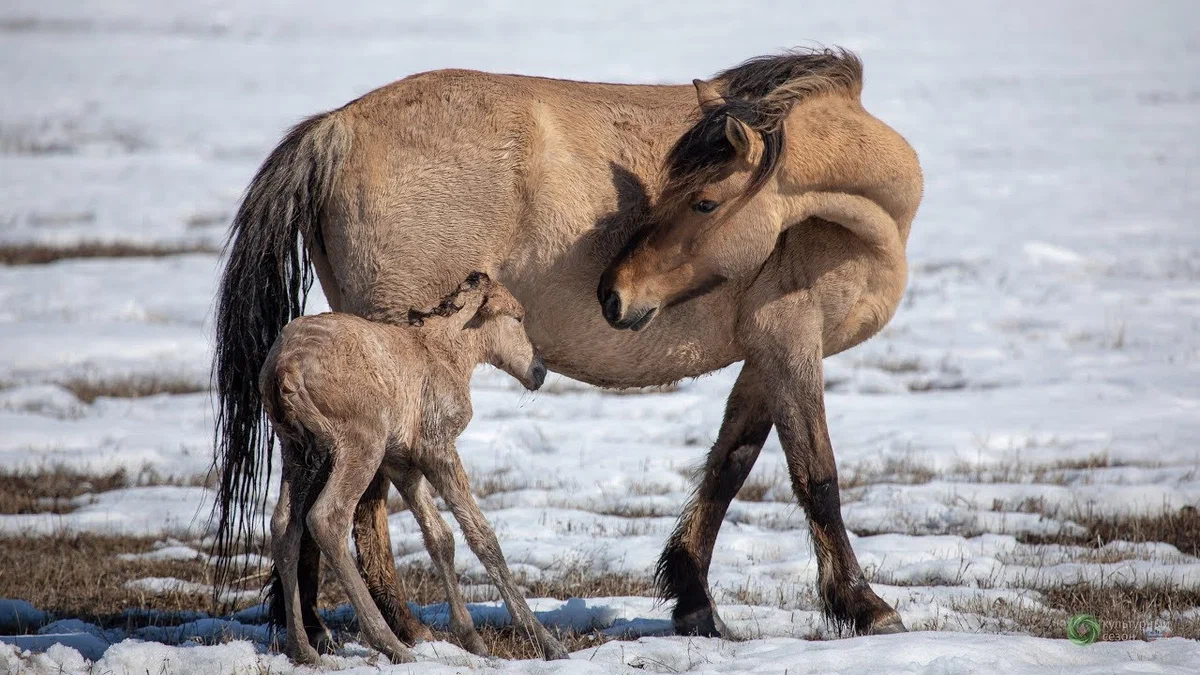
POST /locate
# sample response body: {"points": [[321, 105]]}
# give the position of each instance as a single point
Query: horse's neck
{"points": [[592, 210]]}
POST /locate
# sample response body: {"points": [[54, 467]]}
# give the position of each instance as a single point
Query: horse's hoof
{"points": [[704, 622], [887, 625]]}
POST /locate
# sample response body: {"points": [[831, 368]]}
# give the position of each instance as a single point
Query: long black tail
{"points": [[265, 285]]}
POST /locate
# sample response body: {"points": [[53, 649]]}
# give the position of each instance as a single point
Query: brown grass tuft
{"points": [[88, 389], [1125, 612], [1177, 527], [40, 254], [80, 576], [54, 489]]}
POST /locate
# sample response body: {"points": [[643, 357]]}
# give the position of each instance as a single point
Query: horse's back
{"points": [[452, 171]]}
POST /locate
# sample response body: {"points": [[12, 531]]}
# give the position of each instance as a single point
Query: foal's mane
{"points": [[449, 305], [760, 93]]}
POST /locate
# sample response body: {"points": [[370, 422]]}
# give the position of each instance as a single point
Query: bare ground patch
{"points": [[40, 254]]}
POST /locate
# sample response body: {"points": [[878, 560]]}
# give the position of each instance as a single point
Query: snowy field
{"points": [[1041, 376]]}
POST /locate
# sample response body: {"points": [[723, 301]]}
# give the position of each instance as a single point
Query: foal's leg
{"points": [[378, 567], [287, 525], [371, 536], [445, 471], [355, 460], [784, 336], [439, 541], [683, 567]]}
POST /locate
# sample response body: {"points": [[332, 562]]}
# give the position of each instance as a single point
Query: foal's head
{"points": [[495, 320], [719, 214]]}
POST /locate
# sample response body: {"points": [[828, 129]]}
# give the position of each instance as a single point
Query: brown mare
{"points": [[760, 216]]}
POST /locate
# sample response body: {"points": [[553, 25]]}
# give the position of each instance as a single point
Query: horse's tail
{"points": [[265, 285]]}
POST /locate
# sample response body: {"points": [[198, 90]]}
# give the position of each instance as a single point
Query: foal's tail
{"points": [[265, 285]]}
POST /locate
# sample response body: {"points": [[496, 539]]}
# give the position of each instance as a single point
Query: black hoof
{"points": [[704, 622]]}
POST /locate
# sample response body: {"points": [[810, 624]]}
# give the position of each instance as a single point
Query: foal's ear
{"points": [[477, 317], [741, 137], [707, 95]]}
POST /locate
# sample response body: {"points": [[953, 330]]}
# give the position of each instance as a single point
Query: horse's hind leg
{"points": [[439, 541], [378, 567], [287, 525], [309, 577], [785, 339], [445, 471], [355, 461], [683, 567]]}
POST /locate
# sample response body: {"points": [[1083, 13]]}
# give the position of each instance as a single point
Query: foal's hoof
{"points": [[399, 657], [322, 641], [703, 622], [554, 651], [304, 656], [473, 643], [422, 634]]}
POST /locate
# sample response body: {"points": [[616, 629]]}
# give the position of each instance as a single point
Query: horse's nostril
{"points": [[612, 307]]}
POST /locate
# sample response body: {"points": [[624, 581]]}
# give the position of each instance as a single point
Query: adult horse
{"points": [[760, 216]]}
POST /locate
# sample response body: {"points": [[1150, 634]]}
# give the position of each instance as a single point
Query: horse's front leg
{"points": [[785, 337], [683, 568]]}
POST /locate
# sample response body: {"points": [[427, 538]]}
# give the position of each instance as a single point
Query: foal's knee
{"points": [[329, 526]]}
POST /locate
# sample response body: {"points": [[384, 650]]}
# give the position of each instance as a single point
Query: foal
{"points": [[349, 398]]}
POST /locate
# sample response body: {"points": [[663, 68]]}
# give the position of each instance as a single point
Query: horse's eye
{"points": [[705, 206]]}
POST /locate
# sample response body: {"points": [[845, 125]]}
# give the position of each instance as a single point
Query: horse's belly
{"points": [[686, 341]]}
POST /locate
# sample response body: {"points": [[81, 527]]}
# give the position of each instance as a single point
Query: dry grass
{"points": [[1125, 612], [1178, 527], [776, 487], [56, 489], [421, 585], [52, 490], [904, 470], [88, 389], [773, 487], [40, 254], [81, 576]]}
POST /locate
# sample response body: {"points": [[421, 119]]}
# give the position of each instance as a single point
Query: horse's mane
{"points": [[760, 93]]}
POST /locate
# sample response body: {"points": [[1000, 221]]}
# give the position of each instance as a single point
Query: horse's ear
{"points": [[740, 136], [707, 95]]}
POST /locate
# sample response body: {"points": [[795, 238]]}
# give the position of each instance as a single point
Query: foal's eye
{"points": [[705, 206]]}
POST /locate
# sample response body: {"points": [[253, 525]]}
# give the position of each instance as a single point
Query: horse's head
{"points": [[720, 213]]}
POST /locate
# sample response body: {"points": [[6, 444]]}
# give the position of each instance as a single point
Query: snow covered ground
{"points": [[1045, 362]]}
